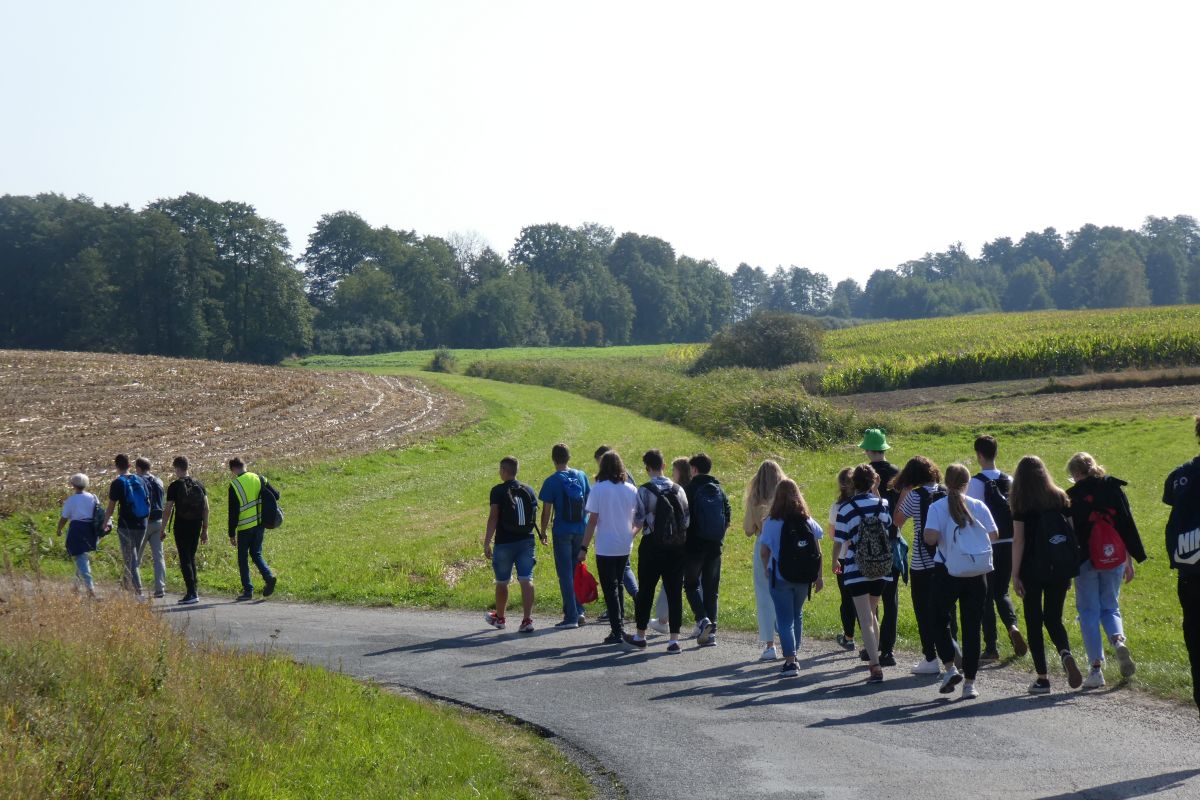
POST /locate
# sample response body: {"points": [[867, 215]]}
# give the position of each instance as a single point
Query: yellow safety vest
{"points": [[248, 488]]}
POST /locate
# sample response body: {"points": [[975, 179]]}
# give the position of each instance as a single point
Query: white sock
{"points": [[673, 641]]}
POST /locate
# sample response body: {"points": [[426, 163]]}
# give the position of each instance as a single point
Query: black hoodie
{"points": [[1106, 492], [693, 486]]}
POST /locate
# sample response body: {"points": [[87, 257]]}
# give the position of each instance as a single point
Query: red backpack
{"points": [[1106, 549], [585, 585]]}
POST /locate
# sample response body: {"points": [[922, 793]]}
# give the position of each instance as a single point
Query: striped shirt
{"points": [[911, 508], [849, 517]]}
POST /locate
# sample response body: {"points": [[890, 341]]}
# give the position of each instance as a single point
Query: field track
{"points": [[67, 412]]}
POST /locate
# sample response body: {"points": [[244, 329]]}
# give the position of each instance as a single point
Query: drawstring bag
{"points": [[585, 585]]}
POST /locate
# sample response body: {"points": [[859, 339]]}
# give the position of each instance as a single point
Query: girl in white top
{"points": [[760, 493], [610, 506], [79, 512]]}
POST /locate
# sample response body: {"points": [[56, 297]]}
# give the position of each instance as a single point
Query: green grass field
{"points": [[404, 528], [418, 359]]}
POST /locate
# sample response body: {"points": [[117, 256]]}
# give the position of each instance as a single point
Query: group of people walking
{"points": [[145, 511], [977, 537]]}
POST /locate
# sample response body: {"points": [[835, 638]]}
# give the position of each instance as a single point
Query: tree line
{"points": [[193, 277]]}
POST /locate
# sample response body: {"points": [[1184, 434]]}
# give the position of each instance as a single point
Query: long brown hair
{"points": [[682, 466], [761, 489], [958, 478], [789, 502], [1033, 489], [919, 471], [845, 485], [611, 468]]}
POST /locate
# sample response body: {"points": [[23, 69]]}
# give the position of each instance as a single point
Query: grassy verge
{"points": [[106, 700], [418, 359]]}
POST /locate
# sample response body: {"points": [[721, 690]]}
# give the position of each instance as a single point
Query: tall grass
{"points": [[104, 700]]}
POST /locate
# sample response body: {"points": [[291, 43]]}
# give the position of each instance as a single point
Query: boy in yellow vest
{"points": [[246, 527]]}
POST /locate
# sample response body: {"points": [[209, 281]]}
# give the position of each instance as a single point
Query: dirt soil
{"points": [[62, 413]]}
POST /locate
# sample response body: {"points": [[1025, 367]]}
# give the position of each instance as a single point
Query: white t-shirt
{"points": [[79, 507], [975, 488], [939, 520], [833, 509], [615, 503]]}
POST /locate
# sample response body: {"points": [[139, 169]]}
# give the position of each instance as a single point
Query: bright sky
{"points": [[844, 137]]}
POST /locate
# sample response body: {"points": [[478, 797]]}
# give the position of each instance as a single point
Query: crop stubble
{"points": [[67, 412]]}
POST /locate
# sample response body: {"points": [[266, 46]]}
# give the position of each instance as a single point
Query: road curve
{"points": [[715, 723]]}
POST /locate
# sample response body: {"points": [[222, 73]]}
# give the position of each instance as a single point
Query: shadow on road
{"points": [[947, 707], [1134, 787]]}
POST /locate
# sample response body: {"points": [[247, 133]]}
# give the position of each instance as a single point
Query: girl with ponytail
{"points": [[962, 528]]}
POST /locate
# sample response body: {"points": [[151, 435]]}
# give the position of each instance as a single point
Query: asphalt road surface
{"points": [[716, 723]]}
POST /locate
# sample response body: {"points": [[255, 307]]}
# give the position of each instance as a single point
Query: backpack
{"points": [[155, 493], [928, 498], [799, 558], [516, 516], [98, 531], [135, 501], [585, 585], [1056, 548], [269, 512], [873, 551], [708, 512], [967, 551], [190, 505], [1106, 548], [572, 501], [668, 529], [995, 497]]}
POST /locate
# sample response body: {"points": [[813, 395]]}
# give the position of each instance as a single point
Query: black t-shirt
{"points": [[116, 492], [1033, 522], [499, 497], [175, 493], [887, 472]]}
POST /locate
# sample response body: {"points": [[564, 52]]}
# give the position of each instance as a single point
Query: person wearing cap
{"points": [[78, 516], [875, 444]]}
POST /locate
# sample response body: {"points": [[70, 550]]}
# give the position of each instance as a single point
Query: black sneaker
{"points": [[1040, 686], [603, 617], [567, 623], [632, 641], [185, 600], [887, 660], [989, 656], [190, 600], [159, 595], [244, 596], [674, 649], [862, 656], [845, 641], [269, 588], [614, 638], [791, 670]]}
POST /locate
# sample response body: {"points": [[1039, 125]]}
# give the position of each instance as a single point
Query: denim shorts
{"points": [[520, 554]]}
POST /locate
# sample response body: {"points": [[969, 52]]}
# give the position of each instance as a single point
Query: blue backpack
{"points": [[571, 508], [136, 499], [708, 512]]}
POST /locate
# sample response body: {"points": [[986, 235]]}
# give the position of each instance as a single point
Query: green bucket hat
{"points": [[875, 440]]}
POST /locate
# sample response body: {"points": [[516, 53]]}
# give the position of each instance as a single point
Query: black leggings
{"points": [[925, 607], [1189, 602], [702, 567], [1044, 607], [849, 615], [891, 610], [654, 563], [970, 594], [187, 539], [609, 572], [999, 603]]}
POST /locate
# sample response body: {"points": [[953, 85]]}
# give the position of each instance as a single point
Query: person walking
{"points": [[246, 529], [661, 514], [962, 530], [862, 531], [628, 579], [760, 494], [920, 486], [1109, 543], [611, 507], [512, 511], [1045, 559], [1182, 493], [155, 533], [845, 490], [129, 493], [789, 549], [564, 495], [875, 445], [993, 487], [710, 518], [681, 475], [186, 513], [80, 514]]}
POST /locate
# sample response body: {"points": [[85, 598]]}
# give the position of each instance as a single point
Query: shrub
{"points": [[764, 340], [443, 360]]}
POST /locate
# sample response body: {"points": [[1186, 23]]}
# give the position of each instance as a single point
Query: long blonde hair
{"points": [[761, 489], [958, 478], [1083, 464]]}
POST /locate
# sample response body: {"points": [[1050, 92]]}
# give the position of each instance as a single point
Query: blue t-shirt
{"points": [[554, 491]]}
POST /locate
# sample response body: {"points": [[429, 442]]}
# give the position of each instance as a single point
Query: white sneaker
{"points": [[950, 679], [701, 624], [931, 667], [969, 692], [769, 653], [1094, 679], [661, 627]]}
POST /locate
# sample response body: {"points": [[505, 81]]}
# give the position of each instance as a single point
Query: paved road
{"points": [[715, 723]]}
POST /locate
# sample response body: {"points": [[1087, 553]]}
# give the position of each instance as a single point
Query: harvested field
{"points": [[66, 412]]}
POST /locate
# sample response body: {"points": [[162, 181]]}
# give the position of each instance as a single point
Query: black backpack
{"points": [[270, 514], [708, 511], [668, 529], [995, 497], [190, 505], [1055, 548], [516, 516], [928, 498], [799, 559]]}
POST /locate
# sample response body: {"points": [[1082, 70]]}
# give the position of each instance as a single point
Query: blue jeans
{"points": [[249, 546], [83, 568], [1096, 596], [566, 549], [789, 613], [519, 554]]}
